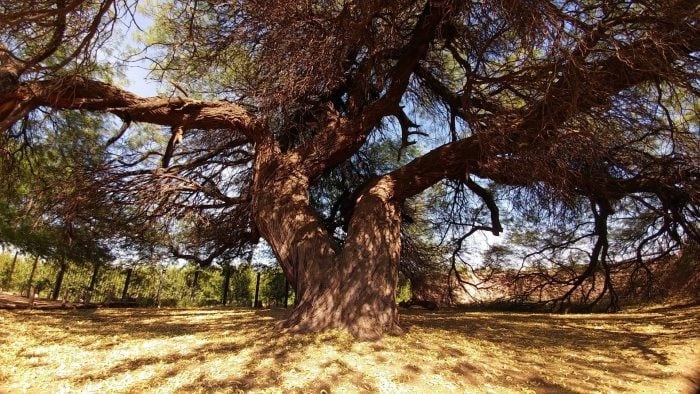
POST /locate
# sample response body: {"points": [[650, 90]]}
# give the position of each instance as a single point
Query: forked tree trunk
{"points": [[352, 287], [357, 292]]}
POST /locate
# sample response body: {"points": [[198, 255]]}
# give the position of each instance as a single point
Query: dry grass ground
{"points": [[234, 350]]}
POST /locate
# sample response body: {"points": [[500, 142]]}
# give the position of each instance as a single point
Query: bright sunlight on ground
{"points": [[234, 350]]}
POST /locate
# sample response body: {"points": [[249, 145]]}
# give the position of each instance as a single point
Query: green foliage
{"points": [[7, 271], [273, 286], [242, 285], [403, 292], [47, 206]]}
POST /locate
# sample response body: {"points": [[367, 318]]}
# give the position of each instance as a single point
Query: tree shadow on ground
{"points": [[209, 350], [258, 328], [645, 338]]}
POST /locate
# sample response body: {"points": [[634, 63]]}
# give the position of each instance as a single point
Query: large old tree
{"points": [[587, 108]]}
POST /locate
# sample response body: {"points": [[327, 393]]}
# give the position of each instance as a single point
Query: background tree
{"points": [[49, 208], [242, 283], [578, 109]]}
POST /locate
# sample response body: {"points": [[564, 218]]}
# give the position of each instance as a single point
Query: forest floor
{"points": [[13, 301], [652, 350]]}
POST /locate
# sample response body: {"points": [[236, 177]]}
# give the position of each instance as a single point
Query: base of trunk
{"points": [[366, 318]]}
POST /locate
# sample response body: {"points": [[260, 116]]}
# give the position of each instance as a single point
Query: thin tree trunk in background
{"points": [[286, 292], [32, 296], [195, 282], [59, 279], [93, 282], [8, 279], [125, 291], [226, 284], [161, 275], [257, 290], [31, 275]]}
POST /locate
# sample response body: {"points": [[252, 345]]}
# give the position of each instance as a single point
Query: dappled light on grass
{"points": [[209, 350]]}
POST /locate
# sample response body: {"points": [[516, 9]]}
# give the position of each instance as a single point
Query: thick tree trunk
{"points": [[358, 292], [352, 287]]}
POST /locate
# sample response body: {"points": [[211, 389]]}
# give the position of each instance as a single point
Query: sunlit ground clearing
{"points": [[209, 350]]}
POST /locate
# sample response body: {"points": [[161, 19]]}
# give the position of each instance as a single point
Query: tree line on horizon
{"points": [[145, 285]]}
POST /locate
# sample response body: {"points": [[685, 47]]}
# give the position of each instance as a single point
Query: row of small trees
{"points": [[145, 285]]}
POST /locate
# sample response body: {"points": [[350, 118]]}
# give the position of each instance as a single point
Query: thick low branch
{"points": [[84, 94], [453, 160]]}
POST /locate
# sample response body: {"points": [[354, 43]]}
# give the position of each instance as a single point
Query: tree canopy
{"points": [[329, 128]]}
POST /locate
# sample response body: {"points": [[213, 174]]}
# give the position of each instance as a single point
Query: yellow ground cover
{"points": [[447, 351]]}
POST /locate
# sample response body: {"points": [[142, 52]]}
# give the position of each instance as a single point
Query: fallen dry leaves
{"points": [[447, 351]]}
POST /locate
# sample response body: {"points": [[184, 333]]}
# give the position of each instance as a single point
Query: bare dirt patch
{"points": [[227, 350]]}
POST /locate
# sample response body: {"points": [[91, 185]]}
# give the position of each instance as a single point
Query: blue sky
{"points": [[137, 73]]}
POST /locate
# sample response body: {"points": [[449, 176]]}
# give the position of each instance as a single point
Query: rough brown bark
{"points": [[352, 287]]}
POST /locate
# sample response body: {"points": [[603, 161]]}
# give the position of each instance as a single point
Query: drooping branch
{"points": [[120, 133], [175, 140], [601, 210], [406, 125], [488, 199]]}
